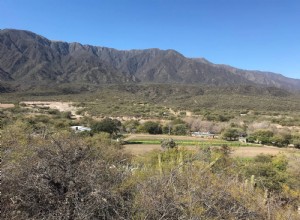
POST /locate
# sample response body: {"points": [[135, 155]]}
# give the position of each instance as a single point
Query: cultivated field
{"points": [[143, 143]]}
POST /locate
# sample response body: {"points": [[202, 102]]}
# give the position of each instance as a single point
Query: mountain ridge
{"points": [[28, 59]]}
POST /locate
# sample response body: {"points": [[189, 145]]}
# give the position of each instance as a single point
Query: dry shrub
{"points": [[194, 192], [65, 179]]}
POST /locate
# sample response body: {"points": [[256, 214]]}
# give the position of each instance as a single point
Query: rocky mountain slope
{"points": [[27, 60]]}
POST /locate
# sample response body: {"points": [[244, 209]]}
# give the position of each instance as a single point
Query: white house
{"points": [[80, 128]]}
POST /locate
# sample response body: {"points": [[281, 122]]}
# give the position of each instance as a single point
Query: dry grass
{"points": [[254, 151], [139, 149]]}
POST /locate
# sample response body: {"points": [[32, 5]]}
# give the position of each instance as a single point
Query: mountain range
{"points": [[28, 60]]}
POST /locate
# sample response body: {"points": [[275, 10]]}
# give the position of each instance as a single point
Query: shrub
{"points": [[296, 141], [280, 140], [262, 136], [189, 190], [65, 179], [53, 112], [106, 125], [230, 134], [151, 127], [269, 171], [167, 129], [67, 115], [168, 143], [179, 129], [131, 125]]}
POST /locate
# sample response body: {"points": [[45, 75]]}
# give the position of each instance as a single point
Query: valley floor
{"points": [[242, 151]]}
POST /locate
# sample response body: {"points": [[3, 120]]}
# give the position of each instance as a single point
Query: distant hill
{"points": [[28, 60]]}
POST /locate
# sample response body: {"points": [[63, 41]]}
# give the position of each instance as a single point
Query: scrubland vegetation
{"points": [[52, 172], [75, 176]]}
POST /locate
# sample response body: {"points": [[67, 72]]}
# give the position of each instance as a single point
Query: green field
{"points": [[201, 143]]}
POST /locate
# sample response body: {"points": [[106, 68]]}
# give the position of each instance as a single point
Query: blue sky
{"points": [[249, 34]]}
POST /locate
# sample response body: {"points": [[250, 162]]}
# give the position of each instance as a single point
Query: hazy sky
{"points": [[249, 34]]}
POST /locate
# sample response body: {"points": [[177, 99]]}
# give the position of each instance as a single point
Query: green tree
{"points": [[67, 115], [262, 136], [106, 125], [151, 127], [230, 134], [281, 140], [167, 129], [296, 141], [131, 125], [177, 121], [179, 129]]}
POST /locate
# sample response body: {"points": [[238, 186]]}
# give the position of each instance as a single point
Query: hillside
{"points": [[29, 60]]}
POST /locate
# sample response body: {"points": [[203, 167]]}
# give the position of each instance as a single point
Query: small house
{"points": [[80, 128]]}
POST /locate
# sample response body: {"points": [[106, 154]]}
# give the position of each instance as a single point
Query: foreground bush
{"points": [[181, 185], [65, 179]]}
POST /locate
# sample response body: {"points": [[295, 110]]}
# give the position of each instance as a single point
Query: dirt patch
{"points": [[6, 105], [188, 113], [139, 149], [254, 151], [61, 106]]}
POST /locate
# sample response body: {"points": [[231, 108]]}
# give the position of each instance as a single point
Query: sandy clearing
{"points": [[2, 105], [254, 151], [61, 106]]}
